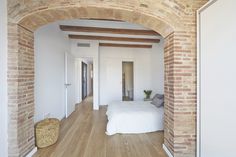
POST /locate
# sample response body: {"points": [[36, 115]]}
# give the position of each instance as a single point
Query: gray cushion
{"points": [[160, 96], [157, 101]]}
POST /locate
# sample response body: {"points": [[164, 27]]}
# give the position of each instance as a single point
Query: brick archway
{"points": [[175, 21]]}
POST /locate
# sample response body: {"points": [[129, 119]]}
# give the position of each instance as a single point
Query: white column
{"points": [[96, 80]]}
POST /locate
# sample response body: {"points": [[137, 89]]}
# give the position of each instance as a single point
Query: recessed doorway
{"points": [[127, 81], [84, 80]]}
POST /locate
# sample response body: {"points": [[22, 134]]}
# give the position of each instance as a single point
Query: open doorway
{"points": [[84, 80], [177, 32], [127, 81]]}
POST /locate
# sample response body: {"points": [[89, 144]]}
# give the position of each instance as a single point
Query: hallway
{"points": [[83, 135]]}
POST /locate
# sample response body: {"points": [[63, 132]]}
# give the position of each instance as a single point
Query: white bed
{"points": [[134, 117]]}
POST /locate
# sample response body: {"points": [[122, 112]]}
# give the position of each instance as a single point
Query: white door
{"points": [[217, 103], [111, 81], [69, 84]]}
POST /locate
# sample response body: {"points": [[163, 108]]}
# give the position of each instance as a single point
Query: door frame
{"points": [[134, 72], [79, 60], [198, 133], [128, 61]]}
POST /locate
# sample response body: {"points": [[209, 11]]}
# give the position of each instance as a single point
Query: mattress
{"points": [[130, 117]]}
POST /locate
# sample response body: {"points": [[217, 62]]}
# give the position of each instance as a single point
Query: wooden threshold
{"points": [[125, 45], [91, 37], [107, 30]]}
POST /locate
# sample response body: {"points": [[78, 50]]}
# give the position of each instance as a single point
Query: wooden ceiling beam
{"points": [[125, 45], [99, 19], [90, 37], [107, 30]]}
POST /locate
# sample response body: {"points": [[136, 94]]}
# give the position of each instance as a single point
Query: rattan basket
{"points": [[47, 132]]}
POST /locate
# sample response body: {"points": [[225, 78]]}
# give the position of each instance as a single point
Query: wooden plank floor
{"points": [[83, 135]]}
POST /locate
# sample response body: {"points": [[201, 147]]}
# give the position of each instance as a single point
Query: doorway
{"points": [[69, 84], [179, 35], [84, 80], [127, 81]]}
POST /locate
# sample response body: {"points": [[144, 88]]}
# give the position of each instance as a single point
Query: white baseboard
{"points": [[167, 151], [32, 152]]}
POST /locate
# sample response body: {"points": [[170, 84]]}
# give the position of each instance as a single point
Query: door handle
{"points": [[68, 84]]}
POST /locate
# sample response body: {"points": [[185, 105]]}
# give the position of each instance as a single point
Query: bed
{"points": [[134, 117]]}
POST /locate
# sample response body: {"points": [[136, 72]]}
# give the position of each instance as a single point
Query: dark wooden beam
{"points": [[125, 45], [91, 37], [107, 30], [101, 19]]}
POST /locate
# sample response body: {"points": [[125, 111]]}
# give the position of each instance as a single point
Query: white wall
{"points": [[110, 80], [157, 68], [3, 78], [218, 76], [148, 69], [91, 52], [50, 47], [78, 92]]}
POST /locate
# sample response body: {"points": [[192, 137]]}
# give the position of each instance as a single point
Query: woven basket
{"points": [[47, 132]]}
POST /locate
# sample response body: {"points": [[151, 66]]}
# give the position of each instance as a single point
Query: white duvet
{"points": [[134, 117]]}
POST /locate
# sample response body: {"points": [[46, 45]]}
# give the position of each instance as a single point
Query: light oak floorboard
{"points": [[83, 135]]}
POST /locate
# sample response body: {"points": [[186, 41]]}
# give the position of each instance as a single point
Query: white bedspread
{"points": [[134, 117]]}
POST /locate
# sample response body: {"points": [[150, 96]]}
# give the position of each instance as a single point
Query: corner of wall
{"points": [[32, 152], [167, 151], [3, 79]]}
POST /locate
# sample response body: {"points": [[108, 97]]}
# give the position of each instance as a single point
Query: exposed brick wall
{"points": [[13, 90], [174, 19], [20, 90], [169, 93], [184, 75], [180, 93]]}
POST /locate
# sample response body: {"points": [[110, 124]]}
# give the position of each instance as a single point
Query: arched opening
{"points": [[40, 18], [180, 94]]}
